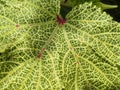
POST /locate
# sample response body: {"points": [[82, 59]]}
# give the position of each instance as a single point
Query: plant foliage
{"points": [[98, 3], [38, 53]]}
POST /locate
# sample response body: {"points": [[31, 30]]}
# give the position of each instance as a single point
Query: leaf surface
{"points": [[37, 53]]}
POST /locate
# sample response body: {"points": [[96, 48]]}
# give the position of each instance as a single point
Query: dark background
{"points": [[115, 13]]}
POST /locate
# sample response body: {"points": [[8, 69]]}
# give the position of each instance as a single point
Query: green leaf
{"points": [[37, 53], [72, 3]]}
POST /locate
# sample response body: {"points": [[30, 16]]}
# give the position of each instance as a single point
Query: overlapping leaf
{"points": [[84, 53]]}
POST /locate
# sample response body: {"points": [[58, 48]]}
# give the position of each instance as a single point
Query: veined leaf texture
{"points": [[38, 53]]}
